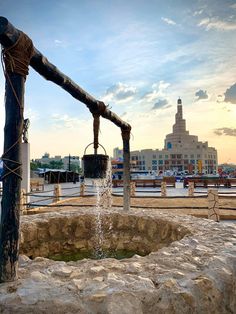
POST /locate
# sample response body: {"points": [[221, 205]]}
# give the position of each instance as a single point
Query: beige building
{"points": [[182, 152]]}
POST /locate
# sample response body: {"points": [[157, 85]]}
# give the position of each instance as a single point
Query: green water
{"points": [[119, 254]]}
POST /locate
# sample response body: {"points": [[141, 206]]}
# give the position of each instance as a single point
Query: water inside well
{"points": [[118, 254]]}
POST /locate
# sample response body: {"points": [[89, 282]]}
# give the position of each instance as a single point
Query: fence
{"points": [[57, 197]]}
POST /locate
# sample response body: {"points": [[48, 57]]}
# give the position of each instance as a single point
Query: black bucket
{"points": [[95, 165]]}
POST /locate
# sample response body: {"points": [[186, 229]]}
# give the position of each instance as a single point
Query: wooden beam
{"points": [[9, 35]]}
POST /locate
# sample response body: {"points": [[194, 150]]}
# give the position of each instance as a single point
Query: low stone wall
{"points": [[70, 232], [196, 274]]}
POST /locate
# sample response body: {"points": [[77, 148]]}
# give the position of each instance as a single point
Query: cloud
{"points": [[31, 114], [61, 43], [120, 93], [225, 131], [168, 21], [215, 23], [64, 121], [230, 94], [233, 6], [201, 94], [158, 90], [161, 103], [57, 42], [199, 12]]}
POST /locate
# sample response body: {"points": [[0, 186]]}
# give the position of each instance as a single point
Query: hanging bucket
{"points": [[95, 165]]}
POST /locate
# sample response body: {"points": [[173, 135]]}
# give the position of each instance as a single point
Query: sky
{"points": [[138, 56]]}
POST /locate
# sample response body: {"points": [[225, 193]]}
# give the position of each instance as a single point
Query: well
{"points": [[87, 231], [191, 267]]}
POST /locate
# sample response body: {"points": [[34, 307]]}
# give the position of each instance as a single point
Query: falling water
{"points": [[104, 201]]}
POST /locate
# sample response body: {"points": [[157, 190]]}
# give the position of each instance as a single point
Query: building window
{"points": [[154, 156], [160, 156], [192, 161], [185, 156], [198, 156], [173, 156], [179, 156], [192, 156], [160, 162], [166, 162], [154, 162], [166, 156], [169, 145], [154, 167]]}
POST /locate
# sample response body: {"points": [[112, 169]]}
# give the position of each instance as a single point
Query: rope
{"points": [[16, 59], [227, 208], [163, 197], [132, 206]]}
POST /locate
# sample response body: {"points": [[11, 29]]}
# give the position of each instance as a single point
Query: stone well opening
{"points": [[74, 235]]}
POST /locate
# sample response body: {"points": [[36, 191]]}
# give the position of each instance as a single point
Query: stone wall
{"points": [[55, 233]]}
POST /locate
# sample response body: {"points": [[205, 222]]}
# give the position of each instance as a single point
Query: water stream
{"points": [[103, 201]]}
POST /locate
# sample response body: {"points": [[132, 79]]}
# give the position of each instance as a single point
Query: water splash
{"points": [[104, 201]]}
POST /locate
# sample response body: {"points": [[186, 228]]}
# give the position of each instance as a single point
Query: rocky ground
{"points": [[196, 274]]}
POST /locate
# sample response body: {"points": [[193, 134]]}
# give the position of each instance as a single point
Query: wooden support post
{"points": [[17, 52], [191, 189], [10, 218], [57, 193], [132, 188], [126, 171], [163, 189], [82, 188], [213, 205]]}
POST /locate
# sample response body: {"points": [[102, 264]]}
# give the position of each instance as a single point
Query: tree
{"points": [[75, 168], [34, 165], [56, 164]]}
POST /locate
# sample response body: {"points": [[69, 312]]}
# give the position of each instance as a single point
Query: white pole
{"points": [[25, 183]]}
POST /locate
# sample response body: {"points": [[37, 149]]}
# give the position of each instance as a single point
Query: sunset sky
{"points": [[138, 56]]}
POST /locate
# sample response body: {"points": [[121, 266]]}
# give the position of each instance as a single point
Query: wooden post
{"points": [[82, 188], [10, 219], [17, 52], [57, 193], [126, 171], [132, 188], [213, 205], [191, 189], [163, 189]]}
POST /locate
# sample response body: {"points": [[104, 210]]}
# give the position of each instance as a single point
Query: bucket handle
{"points": [[98, 145]]}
